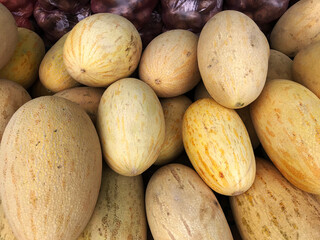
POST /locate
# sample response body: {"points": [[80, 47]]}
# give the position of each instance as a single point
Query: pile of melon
{"points": [[210, 136]]}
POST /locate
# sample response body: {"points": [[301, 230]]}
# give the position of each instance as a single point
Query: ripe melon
{"points": [[8, 35], [50, 163], [101, 49]]}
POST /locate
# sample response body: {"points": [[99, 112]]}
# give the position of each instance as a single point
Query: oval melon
{"points": [[50, 160], [219, 147], [286, 118], [297, 28], [8, 35], [233, 58], [120, 210], [274, 209], [131, 126], [180, 205], [52, 72], [23, 67], [169, 63], [101, 49]]}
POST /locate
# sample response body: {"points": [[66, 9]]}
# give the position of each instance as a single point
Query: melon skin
{"points": [[102, 49], [274, 209], [12, 97], [286, 119], [51, 165], [131, 126], [8, 35]]}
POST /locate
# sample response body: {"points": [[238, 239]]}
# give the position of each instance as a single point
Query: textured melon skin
{"points": [[297, 28], [12, 96], [120, 210], [286, 119], [274, 209], [50, 160], [5, 229], [52, 71], [102, 49], [218, 146], [233, 58], [86, 97], [169, 63], [180, 205], [131, 126], [8, 35], [23, 66], [173, 110]]}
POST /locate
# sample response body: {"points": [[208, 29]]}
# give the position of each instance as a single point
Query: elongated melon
{"points": [[274, 209], [286, 118], [50, 160], [219, 147]]}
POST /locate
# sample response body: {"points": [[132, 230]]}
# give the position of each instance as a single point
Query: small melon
{"points": [[297, 28], [131, 126], [101, 49], [306, 68], [233, 57], [219, 147], [52, 72], [12, 97], [169, 63], [24, 64]]}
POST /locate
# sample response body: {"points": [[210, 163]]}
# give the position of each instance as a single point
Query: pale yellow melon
{"points": [[52, 72], [50, 160], [274, 209], [8, 35], [120, 210], [101, 49], [306, 67], [86, 97], [169, 63], [12, 97], [233, 58], [131, 126], [180, 205], [298, 27], [173, 110]]}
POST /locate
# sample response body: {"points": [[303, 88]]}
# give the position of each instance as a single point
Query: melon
{"points": [[8, 35], [51, 161]]}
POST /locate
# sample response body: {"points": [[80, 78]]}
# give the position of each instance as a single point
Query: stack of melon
{"points": [[128, 140]]}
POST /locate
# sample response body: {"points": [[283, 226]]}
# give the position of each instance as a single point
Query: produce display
{"points": [[159, 119]]}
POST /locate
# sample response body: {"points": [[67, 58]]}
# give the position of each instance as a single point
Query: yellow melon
{"points": [[50, 160], [8, 35], [101, 49]]}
